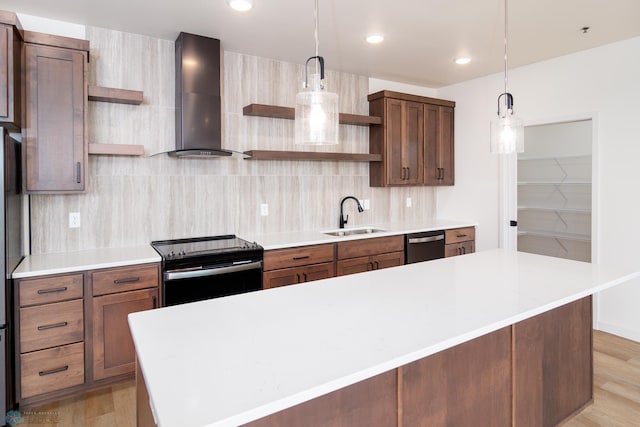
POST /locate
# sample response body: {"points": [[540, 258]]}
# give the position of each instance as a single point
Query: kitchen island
{"points": [[497, 336]]}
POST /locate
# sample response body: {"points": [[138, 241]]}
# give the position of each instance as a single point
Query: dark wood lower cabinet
{"points": [[467, 385], [370, 403], [113, 351], [537, 372], [553, 362]]}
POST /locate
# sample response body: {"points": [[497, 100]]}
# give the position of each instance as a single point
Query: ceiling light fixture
{"points": [[241, 5], [507, 130], [316, 118], [375, 38], [463, 60]]}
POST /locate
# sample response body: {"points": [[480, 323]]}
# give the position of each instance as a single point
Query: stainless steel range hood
{"points": [[198, 101]]}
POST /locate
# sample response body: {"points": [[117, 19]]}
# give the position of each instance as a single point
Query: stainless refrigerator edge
{"points": [[11, 219]]}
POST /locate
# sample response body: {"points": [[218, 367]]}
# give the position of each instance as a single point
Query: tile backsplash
{"points": [[133, 200]]}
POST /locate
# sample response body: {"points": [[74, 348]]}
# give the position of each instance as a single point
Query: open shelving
{"points": [[554, 212], [115, 96]]}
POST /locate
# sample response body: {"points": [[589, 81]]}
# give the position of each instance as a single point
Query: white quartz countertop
{"points": [[313, 237], [68, 262], [227, 361]]}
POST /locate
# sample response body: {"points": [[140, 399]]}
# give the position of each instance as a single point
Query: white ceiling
{"points": [[422, 37]]}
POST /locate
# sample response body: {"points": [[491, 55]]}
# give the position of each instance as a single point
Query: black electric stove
{"points": [[208, 267]]}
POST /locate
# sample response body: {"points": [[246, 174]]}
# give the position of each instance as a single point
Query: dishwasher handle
{"points": [[216, 271], [415, 240]]}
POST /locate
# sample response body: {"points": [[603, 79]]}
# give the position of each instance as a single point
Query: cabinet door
{"points": [[438, 141], [113, 351], [405, 142], [10, 78], [353, 266], [281, 277], [445, 145], [318, 271], [393, 259], [461, 248], [54, 134]]}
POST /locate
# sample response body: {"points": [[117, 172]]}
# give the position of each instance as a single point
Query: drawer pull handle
{"points": [[127, 280], [51, 291], [298, 258], [55, 325], [461, 235], [53, 371]]}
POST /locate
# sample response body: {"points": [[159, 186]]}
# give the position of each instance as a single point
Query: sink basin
{"points": [[353, 231]]}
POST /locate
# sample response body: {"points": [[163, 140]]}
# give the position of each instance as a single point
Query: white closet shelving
{"points": [[554, 206]]}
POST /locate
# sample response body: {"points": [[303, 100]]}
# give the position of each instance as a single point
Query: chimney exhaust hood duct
{"points": [[198, 101]]}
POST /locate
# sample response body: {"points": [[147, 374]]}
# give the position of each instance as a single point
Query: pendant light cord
{"points": [[315, 15], [506, 58]]}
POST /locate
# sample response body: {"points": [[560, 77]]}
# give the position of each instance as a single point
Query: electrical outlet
{"points": [[408, 202], [74, 219], [365, 204], [264, 209]]}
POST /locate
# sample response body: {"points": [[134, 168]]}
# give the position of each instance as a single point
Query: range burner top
{"points": [[202, 246]]}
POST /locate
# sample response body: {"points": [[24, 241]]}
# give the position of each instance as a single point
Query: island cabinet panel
{"points": [[113, 351], [370, 403], [466, 385], [553, 365], [55, 148]]}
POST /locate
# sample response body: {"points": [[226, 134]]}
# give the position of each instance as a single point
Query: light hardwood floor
{"points": [[616, 395]]}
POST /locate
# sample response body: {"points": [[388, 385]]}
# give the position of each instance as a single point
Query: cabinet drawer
{"points": [[50, 370], [51, 325], [366, 247], [294, 257], [459, 235], [50, 289], [461, 248], [125, 279]]}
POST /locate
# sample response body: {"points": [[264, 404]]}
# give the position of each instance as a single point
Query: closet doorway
{"points": [[555, 191]]}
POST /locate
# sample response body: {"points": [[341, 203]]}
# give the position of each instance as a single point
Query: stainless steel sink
{"points": [[353, 231]]}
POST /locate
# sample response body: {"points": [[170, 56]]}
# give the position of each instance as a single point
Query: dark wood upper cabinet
{"points": [[415, 138], [55, 147], [439, 164], [10, 73]]}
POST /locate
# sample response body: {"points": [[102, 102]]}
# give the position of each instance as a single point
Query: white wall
{"points": [[603, 83]]}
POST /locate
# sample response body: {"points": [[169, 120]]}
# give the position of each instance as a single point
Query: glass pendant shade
{"points": [[507, 134], [316, 115]]}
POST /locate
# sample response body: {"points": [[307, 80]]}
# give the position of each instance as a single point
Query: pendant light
{"points": [[316, 118], [507, 130]]}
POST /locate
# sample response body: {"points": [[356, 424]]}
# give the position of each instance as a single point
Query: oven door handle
{"points": [[176, 275]]}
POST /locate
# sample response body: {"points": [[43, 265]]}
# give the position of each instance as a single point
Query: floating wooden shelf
{"points": [[311, 155], [119, 96], [274, 111], [117, 149]]}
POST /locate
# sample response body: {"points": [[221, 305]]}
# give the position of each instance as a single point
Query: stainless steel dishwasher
{"points": [[424, 246]]}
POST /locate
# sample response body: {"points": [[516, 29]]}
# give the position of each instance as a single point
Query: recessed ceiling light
{"points": [[241, 5], [463, 60], [375, 38]]}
